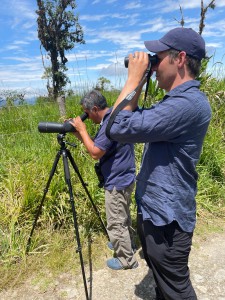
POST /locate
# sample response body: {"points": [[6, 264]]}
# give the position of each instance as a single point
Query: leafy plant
{"points": [[58, 31]]}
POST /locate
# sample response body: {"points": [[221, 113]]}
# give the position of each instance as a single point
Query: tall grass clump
{"points": [[211, 168], [27, 158]]}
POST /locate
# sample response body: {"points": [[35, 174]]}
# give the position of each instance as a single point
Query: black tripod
{"points": [[66, 154]]}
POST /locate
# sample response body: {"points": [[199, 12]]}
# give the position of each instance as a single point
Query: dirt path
{"points": [[207, 265]]}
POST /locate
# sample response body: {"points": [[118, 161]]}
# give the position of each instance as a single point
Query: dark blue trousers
{"points": [[166, 250]]}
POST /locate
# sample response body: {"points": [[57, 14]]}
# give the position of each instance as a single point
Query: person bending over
{"points": [[117, 165]]}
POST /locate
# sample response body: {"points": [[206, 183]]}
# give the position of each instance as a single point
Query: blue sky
{"points": [[112, 29]]}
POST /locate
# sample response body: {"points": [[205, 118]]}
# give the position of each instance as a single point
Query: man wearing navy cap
{"points": [[173, 131]]}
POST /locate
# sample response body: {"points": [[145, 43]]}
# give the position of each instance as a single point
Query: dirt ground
{"points": [[207, 266]]}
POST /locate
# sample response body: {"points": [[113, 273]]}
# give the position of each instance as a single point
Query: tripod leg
{"points": [[43, 198], [68, 182], [86, 190]]}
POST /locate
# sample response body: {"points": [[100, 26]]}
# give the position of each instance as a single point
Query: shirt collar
{"points": [[182, 88]]}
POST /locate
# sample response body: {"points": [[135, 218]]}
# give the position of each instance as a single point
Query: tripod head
{"points": [[62, 142]]}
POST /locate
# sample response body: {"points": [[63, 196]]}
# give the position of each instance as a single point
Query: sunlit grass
{"points": [[27, 158]]}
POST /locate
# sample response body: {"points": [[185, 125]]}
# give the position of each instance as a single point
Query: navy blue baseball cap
{"points": [[181, 39]]}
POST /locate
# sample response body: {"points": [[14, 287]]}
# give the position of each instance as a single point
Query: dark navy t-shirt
{"points": [[119, 168]]}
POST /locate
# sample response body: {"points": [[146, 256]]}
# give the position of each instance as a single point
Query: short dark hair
{"points": [[94, 98], [193, 64]]}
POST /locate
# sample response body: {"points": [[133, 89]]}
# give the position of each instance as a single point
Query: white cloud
{"points": [[95, 1], [20, 11], [88, 55], [214, 45], [100, 17], [98, 67], [220, 3], [167, 6], [21, 43], [133, 5], [91, 18], [111, 1], [116, 69]]}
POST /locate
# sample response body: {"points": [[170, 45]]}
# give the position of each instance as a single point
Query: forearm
{"points": [[129, 87], [82, 134], [77, 135], [89, 144], [136, 72], [87, 141]]}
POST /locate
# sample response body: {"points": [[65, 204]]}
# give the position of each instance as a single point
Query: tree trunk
{"points": [[62, 105]]}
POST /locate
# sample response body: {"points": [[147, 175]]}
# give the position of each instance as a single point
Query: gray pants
{"points": [[117, 205]]}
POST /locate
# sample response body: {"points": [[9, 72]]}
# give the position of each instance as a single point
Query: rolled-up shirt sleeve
{"points": [[166, 121], [148, 125], [139, 126]]}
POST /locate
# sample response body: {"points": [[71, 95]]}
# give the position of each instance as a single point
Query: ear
{"points": [[181, 59], [95, 109]]}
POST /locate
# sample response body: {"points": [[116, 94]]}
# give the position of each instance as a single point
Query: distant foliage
{"points": [[10, 97], [102, 83]]}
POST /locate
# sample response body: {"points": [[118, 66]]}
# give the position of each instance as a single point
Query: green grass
{"points": [[27, 158]]}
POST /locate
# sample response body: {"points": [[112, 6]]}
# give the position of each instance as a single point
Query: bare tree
{"points": [[204, 10], [181, 22], [203, 13]]}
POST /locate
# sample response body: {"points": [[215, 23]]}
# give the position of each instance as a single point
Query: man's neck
{"points": [[180, 80], [102, 113]]}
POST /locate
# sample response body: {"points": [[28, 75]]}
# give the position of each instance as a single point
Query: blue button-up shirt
{"points": [[173, 131]]}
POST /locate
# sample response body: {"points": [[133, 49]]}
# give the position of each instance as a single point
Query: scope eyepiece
{"points": [[52, 127]]}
